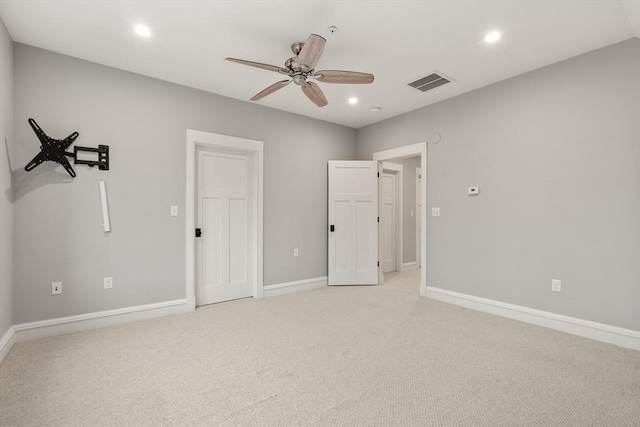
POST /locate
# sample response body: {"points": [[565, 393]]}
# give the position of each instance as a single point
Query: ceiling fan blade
{"points": [[268, 91], [311, 51], [339, 76], [314, 93], [260, 65]]}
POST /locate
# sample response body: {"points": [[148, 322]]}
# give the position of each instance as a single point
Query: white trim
{"points": [[6, 342], [82, 322], [226, 142], [419, 148], [297, 286], [409, 266], [596, 331], [397, 170], [418, 178]]}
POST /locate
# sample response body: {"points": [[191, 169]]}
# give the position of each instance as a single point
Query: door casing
{"points": [[419, 211], [255, 149]]}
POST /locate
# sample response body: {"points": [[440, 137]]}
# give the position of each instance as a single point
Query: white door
{"points": [[418, 216], [223, 215], [388, 222], [353, 223]]}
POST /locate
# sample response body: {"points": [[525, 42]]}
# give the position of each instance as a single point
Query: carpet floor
{"points": [[339, 356]]}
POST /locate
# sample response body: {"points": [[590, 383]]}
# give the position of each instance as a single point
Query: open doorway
{"points": [[413, 161], [391, 217]]}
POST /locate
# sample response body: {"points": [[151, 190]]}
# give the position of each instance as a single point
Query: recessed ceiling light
{"points": [[493, 36], [142, 30], [353, 101]]}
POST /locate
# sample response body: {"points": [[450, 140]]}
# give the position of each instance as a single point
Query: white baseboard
{"points": [[6, 342], [408, 266], [291, 287], [83, 322], [597, 331]]}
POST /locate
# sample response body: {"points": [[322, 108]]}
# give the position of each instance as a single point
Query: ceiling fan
{"points": [[301, 68]]}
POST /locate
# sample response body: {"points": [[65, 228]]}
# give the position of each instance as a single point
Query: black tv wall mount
{"points": [[54, 150]]}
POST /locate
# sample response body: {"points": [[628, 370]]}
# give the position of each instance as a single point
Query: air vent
{"points": [[432, 81]]}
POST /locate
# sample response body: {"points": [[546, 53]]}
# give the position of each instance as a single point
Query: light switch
{"points": [[174, 210], [435, 211]]}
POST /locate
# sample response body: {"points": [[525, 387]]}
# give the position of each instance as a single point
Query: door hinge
{"points": [[378, 219], [378, 174], [378, 263], [198, 232]]}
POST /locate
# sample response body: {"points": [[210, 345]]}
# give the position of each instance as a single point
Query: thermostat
{"points": [[473, 191]]}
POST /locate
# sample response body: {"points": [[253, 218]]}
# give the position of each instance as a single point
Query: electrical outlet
{"points": [[556, 285], [174, 210], [435, 211], [295, 251], [56, 288], [108, 282]]}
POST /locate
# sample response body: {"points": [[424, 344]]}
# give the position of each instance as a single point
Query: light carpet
{"points": [[341, 356]]}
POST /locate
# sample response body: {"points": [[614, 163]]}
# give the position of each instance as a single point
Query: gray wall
{"points": [[556, 155], [6, 196], [144, 121]]}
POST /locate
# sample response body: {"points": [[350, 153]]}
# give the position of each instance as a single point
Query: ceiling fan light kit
{"points": [[301, 68]]}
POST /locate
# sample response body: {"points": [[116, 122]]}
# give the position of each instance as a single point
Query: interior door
{"points": [[353, 223], [223, 217], [388, 222]]}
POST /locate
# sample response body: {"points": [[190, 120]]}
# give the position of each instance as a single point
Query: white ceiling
{"points": [[397, 41]]}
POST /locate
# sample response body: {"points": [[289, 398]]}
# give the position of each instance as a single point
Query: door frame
{"points": [[418, 248], [255, 150], [397, 170], [411, 150]]}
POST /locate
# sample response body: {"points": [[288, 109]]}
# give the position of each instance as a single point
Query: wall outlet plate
{"points": [[173, 211], [56, 288], [556, 285], [108, 282], [435, 211], [473, 191]]}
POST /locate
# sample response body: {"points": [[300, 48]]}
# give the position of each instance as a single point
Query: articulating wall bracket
{"points": [[54, 150]]}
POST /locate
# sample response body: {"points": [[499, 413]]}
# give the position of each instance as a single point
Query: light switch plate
{"points": [[174, 210], [435, 211]]}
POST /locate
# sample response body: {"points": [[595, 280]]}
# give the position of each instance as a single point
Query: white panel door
{"points": [[223, 213], [388, 222], [353, 223]]}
